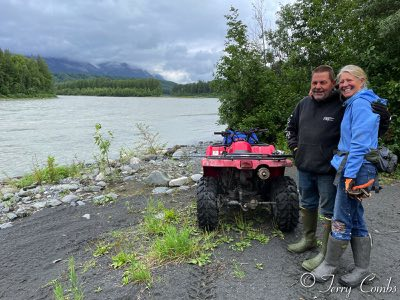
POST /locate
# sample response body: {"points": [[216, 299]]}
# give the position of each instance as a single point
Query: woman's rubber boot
{"points": [[361, 247], [312, 263], [334, 252], [308, 241]]}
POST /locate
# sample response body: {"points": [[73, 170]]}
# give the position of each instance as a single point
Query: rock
{"points": [[8, 190], [100, 177], [170, 191], [183, 188], [6, 225], [135, 163], [159, 190], [157, 178], [178, 154], [92, 189], [53, 202], [39, 205], [24, 193], [148, 157], [179, 181], [70, 198], [129, 178], [7, 196], [11, 216], [86, 216], [26, 200], [21, 212], [113, 196], [196, 177], [101, 184], [65, 187]]}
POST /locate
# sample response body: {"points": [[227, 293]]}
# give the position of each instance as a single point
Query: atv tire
{"points": [[207, 204], [283, 191]]}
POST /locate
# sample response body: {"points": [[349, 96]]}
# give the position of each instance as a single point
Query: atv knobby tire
{"points": [[207, 204], [283, 191]]}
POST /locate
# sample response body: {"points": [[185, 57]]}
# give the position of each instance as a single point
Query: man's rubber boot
{"points": [[308, 241], [334, 252], [312, 263], [361, 247]]}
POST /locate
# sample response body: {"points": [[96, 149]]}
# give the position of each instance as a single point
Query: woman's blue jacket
{"points": [[358, 131]]}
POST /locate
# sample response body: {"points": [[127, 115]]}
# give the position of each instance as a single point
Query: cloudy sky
{"points": [[180, 39]]}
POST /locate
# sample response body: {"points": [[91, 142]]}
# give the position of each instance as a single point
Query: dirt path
{"points": [[36, 249]]}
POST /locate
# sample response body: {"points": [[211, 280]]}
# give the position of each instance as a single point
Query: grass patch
{"points": [[175, 244], [51, 173]]}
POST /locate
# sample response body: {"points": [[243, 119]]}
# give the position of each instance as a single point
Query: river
{"points": [[64, 127]]}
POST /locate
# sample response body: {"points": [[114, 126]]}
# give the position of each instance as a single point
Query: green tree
{"points": [[252, 94]]}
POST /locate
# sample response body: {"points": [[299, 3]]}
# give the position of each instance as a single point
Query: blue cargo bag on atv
{"points": [[235, 135]]}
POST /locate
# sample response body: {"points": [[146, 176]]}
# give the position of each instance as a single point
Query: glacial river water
{"points": [[31, 130]]}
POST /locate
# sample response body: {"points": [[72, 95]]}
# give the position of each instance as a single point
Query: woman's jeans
{"points": [[348, 215]]}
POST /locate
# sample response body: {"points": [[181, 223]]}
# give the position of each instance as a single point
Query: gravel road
{"points": [[36, 250]]}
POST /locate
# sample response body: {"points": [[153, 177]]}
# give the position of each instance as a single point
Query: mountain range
{"points": [[109, 69]]}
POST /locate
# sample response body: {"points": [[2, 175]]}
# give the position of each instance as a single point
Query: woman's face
{"points": [[349, 84]]}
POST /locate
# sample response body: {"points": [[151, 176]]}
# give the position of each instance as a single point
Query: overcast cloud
{"points": [[180, 39]]}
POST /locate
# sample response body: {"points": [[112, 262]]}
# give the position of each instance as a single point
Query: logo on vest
{"points": [[328, 119]]}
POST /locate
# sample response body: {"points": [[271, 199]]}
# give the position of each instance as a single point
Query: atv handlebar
{"points": [[249, 132]]}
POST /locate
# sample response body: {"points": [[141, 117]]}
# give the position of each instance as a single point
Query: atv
{"points": [[243, 172]]}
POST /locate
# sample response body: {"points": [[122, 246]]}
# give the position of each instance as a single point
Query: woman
{"points": [[358, 136]]}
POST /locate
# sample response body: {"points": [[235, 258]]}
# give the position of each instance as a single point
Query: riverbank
{"points": [[91, 183], [26, 97], [245, 259]]}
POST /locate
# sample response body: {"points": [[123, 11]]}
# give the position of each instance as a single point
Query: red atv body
{"points": [[249, 176]]}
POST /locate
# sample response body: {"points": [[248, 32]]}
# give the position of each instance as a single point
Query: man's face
{"points": [[321, 86]]}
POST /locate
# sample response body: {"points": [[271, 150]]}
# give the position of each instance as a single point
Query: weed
{"points": [[125, 155], [101, 249], [240, 246], [237, 271], [154, 225], [74, 287], [58, 291], [241, 224], [122, 259], [257, 236], [277, 233], [105, 200], [73, 279], [202, 260], [104, 147], [98, 289], [130, 208], [150, 143], [225, 239], [89, 265], [137, 272], [259, 266]]}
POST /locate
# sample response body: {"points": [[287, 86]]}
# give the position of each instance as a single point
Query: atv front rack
{"points": [[249, 156]]}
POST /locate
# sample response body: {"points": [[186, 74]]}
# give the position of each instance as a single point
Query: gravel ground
{"points": [[36, 250]]}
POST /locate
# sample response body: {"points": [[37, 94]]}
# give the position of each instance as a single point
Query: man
{"points": [[313, 133]]}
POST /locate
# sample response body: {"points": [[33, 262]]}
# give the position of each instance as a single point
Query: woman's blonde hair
{"points": [[356, 71]]}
